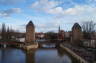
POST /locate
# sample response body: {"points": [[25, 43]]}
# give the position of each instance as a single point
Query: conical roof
{"points": [[76, 26], [30, 23]]}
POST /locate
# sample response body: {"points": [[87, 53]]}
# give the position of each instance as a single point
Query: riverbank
{"points": [[77, 57], [82, 52]]}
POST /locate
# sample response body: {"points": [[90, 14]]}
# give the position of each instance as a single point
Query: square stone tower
{"points": [[76, 33], [30, 32]]}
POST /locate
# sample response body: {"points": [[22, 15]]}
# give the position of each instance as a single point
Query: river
{"points": [[11, 55]]}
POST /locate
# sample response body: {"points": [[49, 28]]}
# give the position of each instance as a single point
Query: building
{"points": [[39, 35], [67, 36], [61, 34], [76, 33], [30, 32]]}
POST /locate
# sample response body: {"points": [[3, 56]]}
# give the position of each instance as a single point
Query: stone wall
{"points": [[30, 32], [76, 33]]}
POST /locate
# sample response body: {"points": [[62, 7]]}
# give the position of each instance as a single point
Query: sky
{"points": [[47, 15]]}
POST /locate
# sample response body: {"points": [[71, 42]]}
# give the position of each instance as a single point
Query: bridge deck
{"points": [[12, 43]]}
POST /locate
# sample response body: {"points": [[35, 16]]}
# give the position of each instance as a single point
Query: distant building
{"points": [[39, 35], [61, 34], [30, 32], [67, 35], [90, 43], [76, 33]]}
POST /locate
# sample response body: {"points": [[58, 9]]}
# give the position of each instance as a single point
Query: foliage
{"points": [[51, 35]]}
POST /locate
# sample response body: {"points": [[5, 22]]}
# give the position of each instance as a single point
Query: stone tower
{"points": [[30, 32], [76, 33]]}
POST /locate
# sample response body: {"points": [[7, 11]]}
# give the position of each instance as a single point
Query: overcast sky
{"points": [[47, 15]]}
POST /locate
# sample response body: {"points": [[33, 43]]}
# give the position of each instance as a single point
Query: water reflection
{"points": [[38, 56], [63, 56], [12, 56], [30, 57], [51, 56]]}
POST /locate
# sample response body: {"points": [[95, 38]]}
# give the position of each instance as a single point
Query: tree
{"points": [[88, 28], [8, 34], [51, 35], [3, 32]]}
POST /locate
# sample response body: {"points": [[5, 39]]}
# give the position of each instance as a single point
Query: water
{"points": [[38, 56]]}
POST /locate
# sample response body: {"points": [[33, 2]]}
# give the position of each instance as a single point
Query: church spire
{"points": [[59, 29]]}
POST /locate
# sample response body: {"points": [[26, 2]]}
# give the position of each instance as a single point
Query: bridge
{"points": [[49, 43], [41, 44], [46, 45], [14, 44]]}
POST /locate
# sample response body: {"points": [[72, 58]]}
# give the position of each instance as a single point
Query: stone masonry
{"points": [[30, 32], [76, 33]]}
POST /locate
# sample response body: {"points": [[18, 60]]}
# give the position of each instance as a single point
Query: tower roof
{"points": [[76, 26], [30, 23]]}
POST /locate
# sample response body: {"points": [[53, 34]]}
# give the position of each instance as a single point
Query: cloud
{"points": [[76, 10], [44, 5], [57, 10], [53, 7], [7, 13], [80, 10], [51, 25], [11, 2]]}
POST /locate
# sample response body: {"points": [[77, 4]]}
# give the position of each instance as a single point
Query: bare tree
{"points": [[88, 28], [8, 34], [3, 32]]}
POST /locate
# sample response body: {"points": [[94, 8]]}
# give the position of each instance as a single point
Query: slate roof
{"points": [[30, 23], [76, 26]]}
